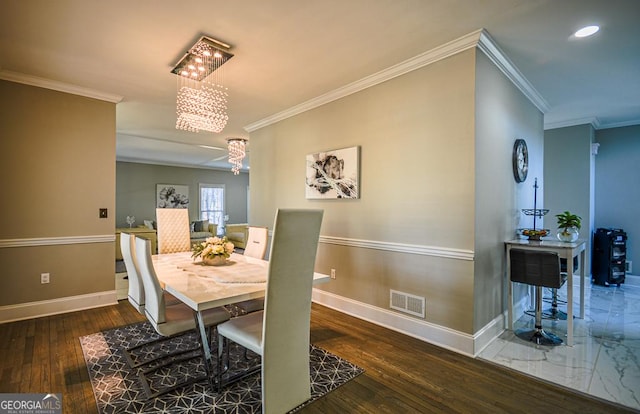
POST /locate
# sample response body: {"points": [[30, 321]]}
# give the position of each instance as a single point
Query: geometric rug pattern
{"points": [[119, 388]]}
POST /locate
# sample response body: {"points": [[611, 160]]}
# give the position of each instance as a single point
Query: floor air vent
{"points": [[407, 303]]}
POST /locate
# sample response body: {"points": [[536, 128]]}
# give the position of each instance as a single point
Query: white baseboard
{"points": [[632, 280], [444, 337], [38, 309]]}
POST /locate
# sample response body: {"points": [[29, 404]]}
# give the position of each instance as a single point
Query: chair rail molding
{"points": [[436, 251], [53, 241]]}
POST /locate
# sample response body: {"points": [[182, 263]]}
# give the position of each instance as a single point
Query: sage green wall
{"points": [[416, 134], [503, 114], [136, 190], [567, 170], [617, 192], [57, 160]]}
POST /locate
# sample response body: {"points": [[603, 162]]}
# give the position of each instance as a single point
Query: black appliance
{"points": [[609, 256]]}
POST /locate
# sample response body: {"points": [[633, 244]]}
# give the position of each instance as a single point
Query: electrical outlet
{"points": [[44, 278], [333, 273]]}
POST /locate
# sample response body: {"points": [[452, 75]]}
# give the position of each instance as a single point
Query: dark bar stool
{"points": [[555, 313], [539, 269]]}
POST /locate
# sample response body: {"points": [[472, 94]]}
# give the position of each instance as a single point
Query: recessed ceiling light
{"points": [[587, 31]]}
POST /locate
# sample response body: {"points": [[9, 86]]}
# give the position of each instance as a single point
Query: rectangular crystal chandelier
{"points": [[201, 104]]}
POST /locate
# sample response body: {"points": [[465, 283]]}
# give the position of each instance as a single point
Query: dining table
{"points": [[203, 287]]}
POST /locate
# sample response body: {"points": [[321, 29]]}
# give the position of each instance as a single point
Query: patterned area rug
{"points": [[119, 388]]}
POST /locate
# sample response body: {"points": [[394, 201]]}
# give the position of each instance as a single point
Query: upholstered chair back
{"points": [[256, 242], [287, 310], [173, 230]]}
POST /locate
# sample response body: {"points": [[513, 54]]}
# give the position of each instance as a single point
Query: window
{"points": [[212, 204]]}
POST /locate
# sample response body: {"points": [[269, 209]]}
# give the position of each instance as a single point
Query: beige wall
{"points": [[503, 114], [416, 134], [57, 160], [436, 174], [569, 168]]}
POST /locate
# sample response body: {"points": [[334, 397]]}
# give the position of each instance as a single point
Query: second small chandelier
{"points": [[237, 152], [201, 104]]}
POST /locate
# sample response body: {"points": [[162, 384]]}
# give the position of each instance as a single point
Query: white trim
{"points": [[632, 280], [424, 59], [441, 336], [445, 252], [621, 124], [53, 241], [590, 120], [593, 121], [479, 38], [29, 310], [489, 332], [58, 86], [500, 59]]}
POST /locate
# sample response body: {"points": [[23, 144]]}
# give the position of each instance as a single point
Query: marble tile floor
{"points": [[605, 359]]}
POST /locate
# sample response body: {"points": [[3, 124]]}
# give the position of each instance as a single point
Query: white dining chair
{"points": [[136, 289], [256, 247], [280, 333], [173, 230], [170, 320]]}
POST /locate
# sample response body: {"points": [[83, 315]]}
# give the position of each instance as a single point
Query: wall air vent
{"points": [[407, 303]]}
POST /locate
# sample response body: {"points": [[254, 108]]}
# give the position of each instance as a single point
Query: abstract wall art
{"points": [[333, 174]]}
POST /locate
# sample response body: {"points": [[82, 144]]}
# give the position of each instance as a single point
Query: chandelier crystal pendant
{"points": [[237, 147], [201, 104]]}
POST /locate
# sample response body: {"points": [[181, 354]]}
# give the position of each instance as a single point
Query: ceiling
{"points": [[288, 52]]}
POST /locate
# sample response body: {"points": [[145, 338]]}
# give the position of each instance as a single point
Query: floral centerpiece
{"points": [[214, 250]]}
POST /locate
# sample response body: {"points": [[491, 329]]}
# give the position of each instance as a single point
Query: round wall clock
{"points": [[520, 160]]}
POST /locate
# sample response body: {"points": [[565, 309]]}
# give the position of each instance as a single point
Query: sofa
{"points": [[201, 230], [237, 234]]}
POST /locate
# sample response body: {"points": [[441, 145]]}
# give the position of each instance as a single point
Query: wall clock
{"points": [[520, 160]]}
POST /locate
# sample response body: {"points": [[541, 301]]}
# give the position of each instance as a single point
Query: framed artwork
{"points": [[333, 174], [172, 196]]}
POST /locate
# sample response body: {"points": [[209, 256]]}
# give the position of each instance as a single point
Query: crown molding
{"points": [[441, 52], [58, 86], [595, 122], [589, 120], [479, 38], [135, 160], [502, 61], [631, 122]]}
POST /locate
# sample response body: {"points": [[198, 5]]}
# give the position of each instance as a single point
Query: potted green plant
{"points": [[568, 226]]}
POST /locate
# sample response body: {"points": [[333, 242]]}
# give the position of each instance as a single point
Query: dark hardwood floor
{"points": [[403, 374]]}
